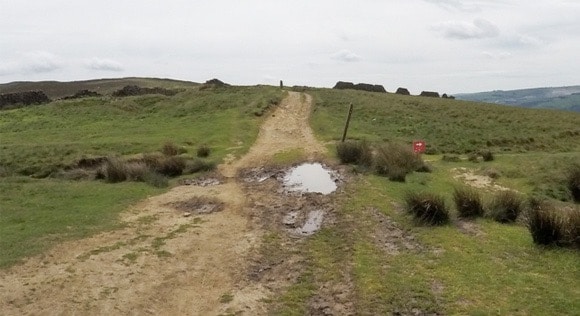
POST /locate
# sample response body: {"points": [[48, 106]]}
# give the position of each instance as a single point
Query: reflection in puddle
{"points": [[312, 224], [310, 177]]}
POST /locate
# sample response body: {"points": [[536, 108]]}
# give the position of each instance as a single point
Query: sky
{"points": [[448, 46]]}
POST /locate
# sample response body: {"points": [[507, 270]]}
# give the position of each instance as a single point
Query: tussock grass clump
{"points": [[198, 165], [136, 171], [573, 182], [468, 202], [151, 168], [546, 226], [170, 149], [203, 151], [396, 161], [572, 232], [505, 207], [359, 152], [487, 155], [157, 180], [171, 166], [114, 170], [427, 208], [451, 158], [473, 157]]}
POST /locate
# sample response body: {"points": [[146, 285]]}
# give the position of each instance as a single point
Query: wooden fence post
{"points": [[347, 122]]}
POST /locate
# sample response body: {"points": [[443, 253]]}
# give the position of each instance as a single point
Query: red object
{"points": [[419, 146]]}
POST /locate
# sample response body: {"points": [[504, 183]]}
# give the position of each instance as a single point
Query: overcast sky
{"points": [[440, 45]]}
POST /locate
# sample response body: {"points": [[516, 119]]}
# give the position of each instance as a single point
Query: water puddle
{"points": [[310, 177], [311, 225]]}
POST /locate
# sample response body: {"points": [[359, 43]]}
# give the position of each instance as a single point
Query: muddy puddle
{"points": [[198, 205], [310, 178], [312, 223], [202, 182]]}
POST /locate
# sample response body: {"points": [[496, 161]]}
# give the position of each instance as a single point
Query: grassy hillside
{"points": [[448, 126], [467, 266], [560, 98], [40, 140], [56, 89]]}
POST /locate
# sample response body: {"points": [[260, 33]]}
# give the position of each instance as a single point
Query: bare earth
{"points": [[165, 261]]}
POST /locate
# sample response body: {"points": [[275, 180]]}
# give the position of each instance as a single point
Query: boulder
{"points": [[136, 90], [9, 100], [430, 94], [343, 85], [83, 94], [359, 86], [403, 91]]}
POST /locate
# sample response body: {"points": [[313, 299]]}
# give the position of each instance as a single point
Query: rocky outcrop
{"points": [[212, 84], [403, 91], [83, 94], [11, 100], [136, 90], [445, 96], [430, 94], [341, 85]]}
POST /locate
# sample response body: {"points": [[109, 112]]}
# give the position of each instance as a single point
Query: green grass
{"points": [[39, 140], [501, 272], [447, 126], [38, 213]]}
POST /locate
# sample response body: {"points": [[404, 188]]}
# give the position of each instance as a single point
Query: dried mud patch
{"points": [[332, 299], [469, 177], [469, 228], [391, 237]]}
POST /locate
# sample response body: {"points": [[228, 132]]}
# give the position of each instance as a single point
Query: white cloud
{"points": [[497, 55], [456, 5], [103, 64], [477, 29], [346, 56], [36, 62], [527, 40]]}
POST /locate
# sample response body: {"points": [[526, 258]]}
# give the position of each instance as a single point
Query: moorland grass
{"points": [[44, 140], [447, 126]]}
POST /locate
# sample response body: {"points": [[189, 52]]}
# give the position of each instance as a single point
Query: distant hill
{"points": [[57, 89], [559, 98]]}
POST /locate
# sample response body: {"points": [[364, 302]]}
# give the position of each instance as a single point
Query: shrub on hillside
{"points": [[426, 208], [544, 224], [203, 151], [396, 161], [358, 152], [468, 202], [573, 182], [506, 207]]}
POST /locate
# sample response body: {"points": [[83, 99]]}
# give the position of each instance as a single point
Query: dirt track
{"points": [[165, 262]]}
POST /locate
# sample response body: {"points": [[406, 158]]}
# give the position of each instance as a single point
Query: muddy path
{"points": [[168, 260]]}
